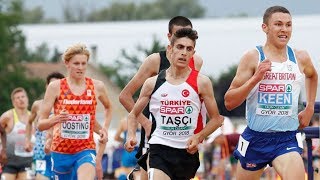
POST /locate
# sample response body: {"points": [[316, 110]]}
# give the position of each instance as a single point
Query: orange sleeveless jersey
{"points": [[76, 134]]}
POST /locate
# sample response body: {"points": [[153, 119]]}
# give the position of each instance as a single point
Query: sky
{"points": [[214, 8]]}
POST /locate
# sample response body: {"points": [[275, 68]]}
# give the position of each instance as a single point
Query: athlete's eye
{"points": [[190, 48], [179, 46]]}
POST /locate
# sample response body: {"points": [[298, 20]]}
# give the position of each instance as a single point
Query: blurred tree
{"points": [[40, 54], [74, 12], [56, 57], [221, 85], [158, 9], [188, 8], [12, 53], [116, 12], [32, 16]]}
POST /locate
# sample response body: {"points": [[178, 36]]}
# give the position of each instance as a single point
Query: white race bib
{"points": [[77, 127]]}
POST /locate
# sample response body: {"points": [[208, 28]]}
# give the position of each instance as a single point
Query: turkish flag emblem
{"points": [[185, 93]]}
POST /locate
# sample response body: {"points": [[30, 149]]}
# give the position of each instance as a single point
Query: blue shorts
{"points": [[129, 159], [44, 167], [65, 166], [257, 149]]}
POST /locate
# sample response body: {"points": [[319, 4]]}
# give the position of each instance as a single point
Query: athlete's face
{"points": [[278, 28], [174, 29], [77, 66], [181, 52], [20, 100]]}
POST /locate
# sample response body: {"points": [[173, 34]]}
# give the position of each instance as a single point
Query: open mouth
{"points": [[283, 37]]}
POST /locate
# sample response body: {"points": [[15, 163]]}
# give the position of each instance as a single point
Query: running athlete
{"points": [[175, 96], [269, 78], [42, 161], [128, 159], [74, 101], [13, 124], [151, 66]]}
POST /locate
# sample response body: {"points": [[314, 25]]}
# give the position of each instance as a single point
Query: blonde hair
{"points": [[16, 90], [74, 50]]}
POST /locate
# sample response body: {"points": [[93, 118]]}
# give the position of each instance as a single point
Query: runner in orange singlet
{"points": [[74, 100]]}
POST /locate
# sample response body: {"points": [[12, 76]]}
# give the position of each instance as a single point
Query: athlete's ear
{"points": [[169, 35], [264, 28]]}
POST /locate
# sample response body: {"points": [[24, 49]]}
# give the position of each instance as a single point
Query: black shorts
{"points": [[178, 164], [17, 166], [141, 155]]}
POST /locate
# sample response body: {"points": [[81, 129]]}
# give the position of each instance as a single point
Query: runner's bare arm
{"points": [[103, 132], [120, 129], [4, 119], [143, 99], [215, 119], [46, 122], [247, 76], [149, 68], [32, 117], [311, 84]]}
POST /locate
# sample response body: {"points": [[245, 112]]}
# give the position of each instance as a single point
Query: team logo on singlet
{"points": [[164, 95], [189, 109], [185, 93], [89, 92]]}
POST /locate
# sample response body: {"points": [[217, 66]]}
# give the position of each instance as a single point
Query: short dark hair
{"points": [[55, 75], [179, 21], [185, 32], [273, 9]]}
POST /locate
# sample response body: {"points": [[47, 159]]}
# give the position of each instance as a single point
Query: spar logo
{"points": [[79, 117], [271, 88], [189, 109], [172, 109], [185, 93]]}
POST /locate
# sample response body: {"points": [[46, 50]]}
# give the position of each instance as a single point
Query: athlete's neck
{"points": [[22, 114], [178, 73], [274, 53], [75, 81], [21, 111]]}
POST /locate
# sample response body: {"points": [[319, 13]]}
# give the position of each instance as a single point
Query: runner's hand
{"points": [[192, 144], [3, 157], [47, 147], [263, 67], [103, 136], [130, 143], [28, 146], [63, 116]]}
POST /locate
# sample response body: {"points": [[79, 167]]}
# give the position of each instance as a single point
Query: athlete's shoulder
{"points": [[6, 116], [153, 58], [251, 54], [54, 84], [36, 104], [98, 84], [301, 55], [150, 66], [203, 78], [151, 80], [198, 61]]}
